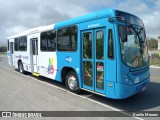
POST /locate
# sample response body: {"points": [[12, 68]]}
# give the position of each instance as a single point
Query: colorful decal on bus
{"points": [[50, 66]]}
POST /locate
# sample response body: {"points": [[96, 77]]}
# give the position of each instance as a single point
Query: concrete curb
{"points": [[154, 67]]}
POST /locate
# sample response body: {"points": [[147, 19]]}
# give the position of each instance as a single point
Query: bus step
{"points": [[35, 74]]}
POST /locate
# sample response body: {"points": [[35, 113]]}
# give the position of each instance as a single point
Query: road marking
{"points": [[154, 67], [155, 77], [5, 68], [94, 101], [84, 97]]}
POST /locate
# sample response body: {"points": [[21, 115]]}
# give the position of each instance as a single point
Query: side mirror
{"points": [[123, 33]]}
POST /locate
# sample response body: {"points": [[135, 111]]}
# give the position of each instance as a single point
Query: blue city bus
{"points": [[104, 52], [111, 57]]}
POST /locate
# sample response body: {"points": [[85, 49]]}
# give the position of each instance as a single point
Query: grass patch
{"points": [[155, 59], [3, 53]]}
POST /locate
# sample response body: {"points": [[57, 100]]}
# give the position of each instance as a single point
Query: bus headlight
{"points": [[136, 80], [127, 80]]}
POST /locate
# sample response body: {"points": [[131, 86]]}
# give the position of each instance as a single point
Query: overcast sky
{"points": [[20, 15]]}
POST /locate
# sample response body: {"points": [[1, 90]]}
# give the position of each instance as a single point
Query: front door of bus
{"points": [[93, 60], [11, 53], [34, 42]]}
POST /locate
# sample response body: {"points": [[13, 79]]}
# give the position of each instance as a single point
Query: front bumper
{"points": [[123, 91]]}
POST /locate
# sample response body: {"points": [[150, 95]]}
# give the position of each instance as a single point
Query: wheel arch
{"points": [[19, 61], [65, 71]]}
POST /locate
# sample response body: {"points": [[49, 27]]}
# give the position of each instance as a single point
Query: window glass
{"points": [[88, 80], [67, 38], [34, 47], [99, 45], [23, 43], [100, 75], [110, 45], [43, 45], [11, 47], [134, 51], [87, 45], [8, 45], [48, 41], [16, 44]]}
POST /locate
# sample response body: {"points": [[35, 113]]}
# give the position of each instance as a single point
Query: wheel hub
{"points": [[72, 82], [20, 68]]}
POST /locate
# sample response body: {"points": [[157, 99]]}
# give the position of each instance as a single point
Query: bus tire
{"points": [[21, 69], [72, 83]]}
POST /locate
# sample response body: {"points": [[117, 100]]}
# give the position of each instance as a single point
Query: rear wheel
{"points": [[72, 82], [21, 69]]}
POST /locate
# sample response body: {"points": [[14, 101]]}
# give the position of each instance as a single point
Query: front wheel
{"points": [[72, 82]]}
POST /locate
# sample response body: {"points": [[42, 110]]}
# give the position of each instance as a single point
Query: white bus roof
{"points": [[34, 30]]}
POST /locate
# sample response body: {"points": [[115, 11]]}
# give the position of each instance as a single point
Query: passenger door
{"points": [[93, 42], [34, 46]]}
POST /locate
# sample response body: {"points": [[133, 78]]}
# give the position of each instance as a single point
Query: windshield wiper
{"points": [[137, 32]]}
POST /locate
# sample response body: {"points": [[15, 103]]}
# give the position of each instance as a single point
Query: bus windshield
{"points": [[134, 49]]}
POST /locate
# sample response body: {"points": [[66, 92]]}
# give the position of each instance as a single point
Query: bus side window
{"points": [[110, 45], [23, 43], [8, 45], [67, 38], [48, 41], [16, 44]]}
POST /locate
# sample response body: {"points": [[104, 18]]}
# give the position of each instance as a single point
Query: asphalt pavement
{"points": [[20, 92]]}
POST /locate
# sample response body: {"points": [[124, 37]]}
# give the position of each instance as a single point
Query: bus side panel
{"points": [[48, 65], [68, 59], [24, 57]]}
